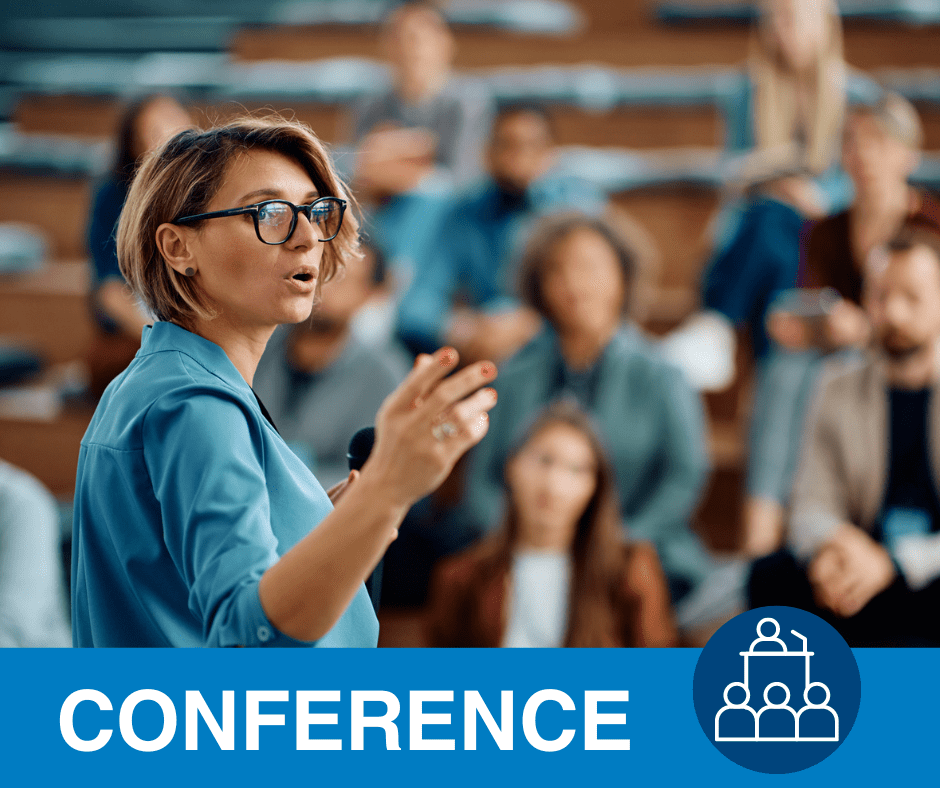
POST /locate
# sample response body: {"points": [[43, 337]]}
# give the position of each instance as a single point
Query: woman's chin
{"points": [[295, 311], [549, 536]]}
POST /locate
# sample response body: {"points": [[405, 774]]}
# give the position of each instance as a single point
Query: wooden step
{"points": [[57, 206], [930, 118], [479, 49], [677, 219], [639, 127], [48, 310], [83, 116], [866, 46], [46, 449], [631, 127]]}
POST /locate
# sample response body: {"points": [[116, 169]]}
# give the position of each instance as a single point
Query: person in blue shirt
{"points": [[195, 525], [463, 291], [145, 124]]}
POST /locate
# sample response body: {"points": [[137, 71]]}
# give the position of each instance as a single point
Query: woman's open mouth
{"points": [[303, 281]]}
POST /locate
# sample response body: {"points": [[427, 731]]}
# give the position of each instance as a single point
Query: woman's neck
{"points": [[546, 545], [243, 345], [582, 349]]}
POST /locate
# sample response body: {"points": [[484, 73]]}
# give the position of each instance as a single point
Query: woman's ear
{"points": [[175, 245]]}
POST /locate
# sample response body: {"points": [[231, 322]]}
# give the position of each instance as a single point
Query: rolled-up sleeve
{"points": [[204, 454]]}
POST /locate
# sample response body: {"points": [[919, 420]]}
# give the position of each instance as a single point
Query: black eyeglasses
{"points": [[275, 220]]}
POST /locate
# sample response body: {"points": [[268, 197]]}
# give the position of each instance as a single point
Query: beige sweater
{"points": [[843, 469]]}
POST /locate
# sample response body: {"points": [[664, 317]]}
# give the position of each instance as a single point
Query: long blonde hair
{"points": [[776, 108]]}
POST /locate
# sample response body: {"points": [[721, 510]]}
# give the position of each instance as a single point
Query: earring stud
{"points": [[190, 271]]}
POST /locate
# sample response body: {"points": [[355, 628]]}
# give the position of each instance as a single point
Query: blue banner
{"points": [[537, 718]]}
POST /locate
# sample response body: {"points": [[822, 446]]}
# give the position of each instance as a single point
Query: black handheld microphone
{"points": [[359, 449]]}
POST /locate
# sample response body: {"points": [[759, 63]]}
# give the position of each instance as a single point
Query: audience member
{"points": [[793, 93], [789, 112], [427, 118], [578, 273], [417, 140], [557, 572], [865, 520], [880, 152], [32, 594], [146, 124], [470, 261], [320, 367]]}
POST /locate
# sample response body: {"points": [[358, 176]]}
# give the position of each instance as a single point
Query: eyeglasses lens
{"points": [[274, 220], [327, 215]]}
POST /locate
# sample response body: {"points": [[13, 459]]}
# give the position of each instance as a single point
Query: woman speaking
{"points": [[195, 524]]}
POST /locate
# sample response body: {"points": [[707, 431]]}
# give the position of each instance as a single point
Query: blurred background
{"points": [[641, 94]]}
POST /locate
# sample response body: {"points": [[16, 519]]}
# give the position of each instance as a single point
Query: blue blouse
{"points": [[185, 495]]}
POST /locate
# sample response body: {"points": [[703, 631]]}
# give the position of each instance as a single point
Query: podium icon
{"points": [[776, 720]]}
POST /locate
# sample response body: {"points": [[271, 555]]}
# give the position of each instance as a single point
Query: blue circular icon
{"points": [[776, 690]]}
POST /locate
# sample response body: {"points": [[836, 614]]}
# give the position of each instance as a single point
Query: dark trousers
{"points": [[897, 616]]}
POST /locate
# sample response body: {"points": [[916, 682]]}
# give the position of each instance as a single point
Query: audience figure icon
{"points": [[777, 720], [736, 721]]}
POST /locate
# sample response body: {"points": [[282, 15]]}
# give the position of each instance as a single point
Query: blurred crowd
{"points": [[571, 524]]}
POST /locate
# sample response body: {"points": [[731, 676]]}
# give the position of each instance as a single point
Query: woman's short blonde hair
{"points": [[182, 177]]}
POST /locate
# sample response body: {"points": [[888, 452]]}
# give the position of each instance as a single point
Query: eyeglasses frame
{"points": [[253, 210]]}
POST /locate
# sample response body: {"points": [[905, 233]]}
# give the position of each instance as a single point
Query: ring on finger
{"points": [[444, 430]]}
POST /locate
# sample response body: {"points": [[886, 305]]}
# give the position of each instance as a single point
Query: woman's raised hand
{"points": [[427, 423]]}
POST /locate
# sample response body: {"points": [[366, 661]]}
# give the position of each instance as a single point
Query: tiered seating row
{"points": [[209, 27], [596, 105], [743, 12], [868, 47]]}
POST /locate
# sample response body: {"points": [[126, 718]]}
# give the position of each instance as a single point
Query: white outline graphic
{"points": [[784, 705]]}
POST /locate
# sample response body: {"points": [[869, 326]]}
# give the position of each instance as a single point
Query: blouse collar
{"points": [[163, 336]]}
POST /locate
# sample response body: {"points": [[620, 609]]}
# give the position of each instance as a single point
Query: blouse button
{"points": [[264, 634]]}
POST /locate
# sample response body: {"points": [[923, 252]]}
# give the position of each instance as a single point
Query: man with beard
{"points": [[865, 517]]}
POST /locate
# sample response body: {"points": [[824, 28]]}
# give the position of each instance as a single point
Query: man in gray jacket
{"points": [[865, 518]]}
